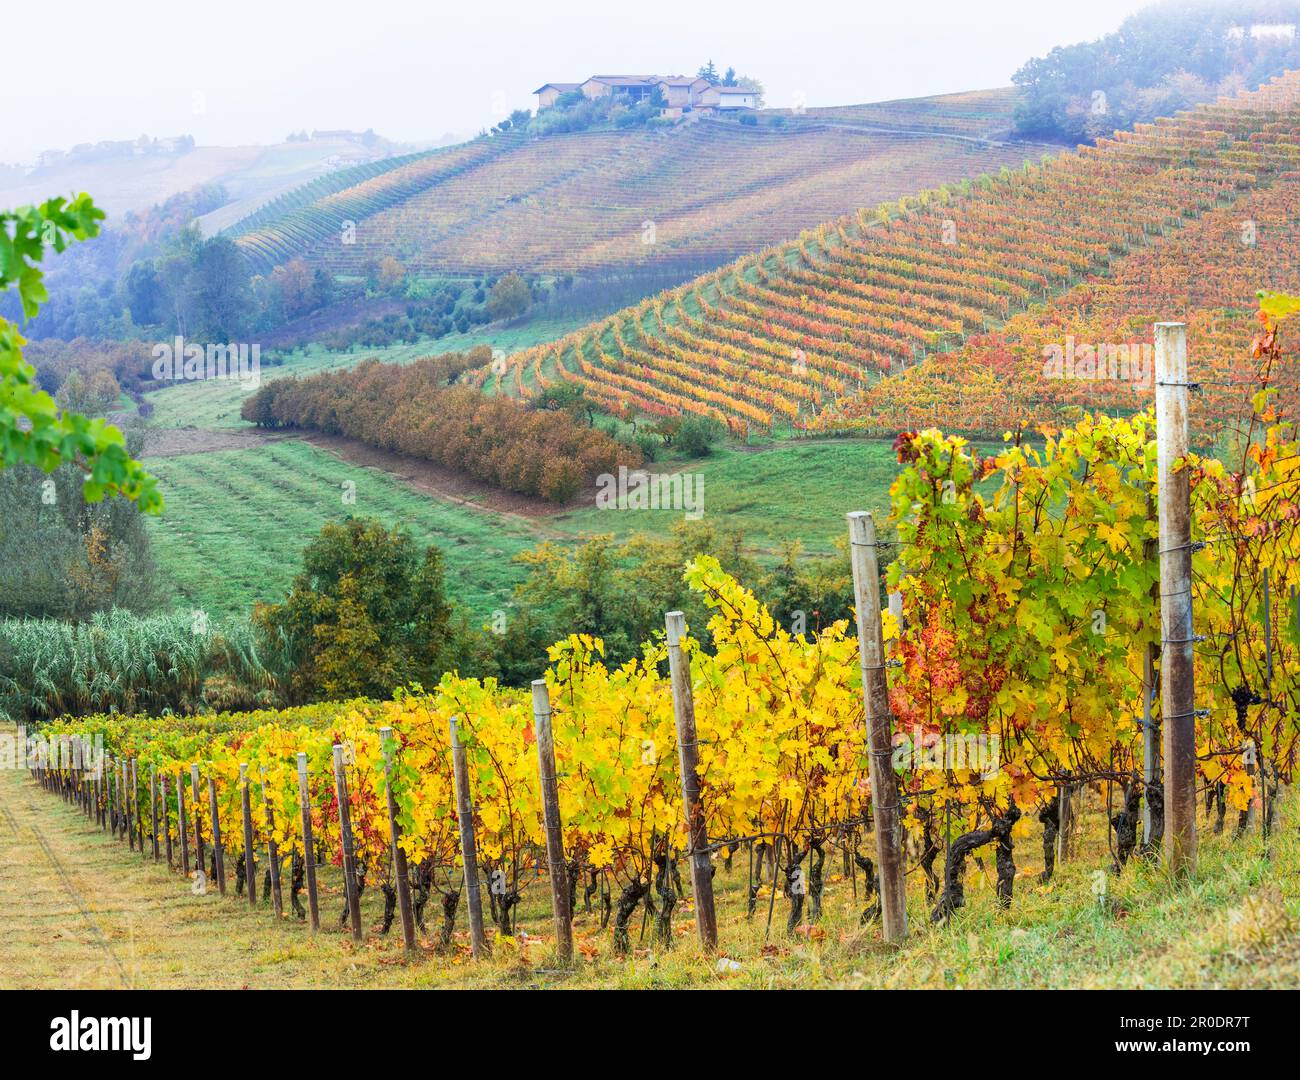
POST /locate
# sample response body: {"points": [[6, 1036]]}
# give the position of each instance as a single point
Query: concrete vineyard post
{"points": [[218, 854], [349, 854], [308, 844], [246, 808], [1177, 674], [399, 856], [468, 851], [688, 763], [557, 869], [875, 696], [272, 853]]}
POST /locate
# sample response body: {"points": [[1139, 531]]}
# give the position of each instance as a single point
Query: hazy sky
{"points": [[250, 71]]}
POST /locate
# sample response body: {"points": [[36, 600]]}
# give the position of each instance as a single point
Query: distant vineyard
{"points": [[985, 114], [698, 195], [319, 210], [825, 332]]}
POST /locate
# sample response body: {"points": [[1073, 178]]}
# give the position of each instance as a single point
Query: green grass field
{"points": [[776, 493], [237, 520]]}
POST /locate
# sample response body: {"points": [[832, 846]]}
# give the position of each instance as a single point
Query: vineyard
{"points": [[586, 202], [1022, 663], [937, 308]]}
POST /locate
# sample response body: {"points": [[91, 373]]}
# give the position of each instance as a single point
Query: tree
{"points": [[93, 395], [61, 557], [144, 294], [32, 428], [220, 283], [391, 274], [708, 71], [368, 614], [510, 297], [729, 79]]}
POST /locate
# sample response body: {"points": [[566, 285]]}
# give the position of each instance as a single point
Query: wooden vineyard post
{"points": [[875, 696], [197, 800], [135, 798], [246, 809], [123, 775], [688, 764], [349, 855], [153, 807], [218, 854], [110, 782], [469, 853], [1177, 673], [272, 853], [308, 844], [1064, 821], [167, 832], [557, 869], [182, 825], [403, 882]]}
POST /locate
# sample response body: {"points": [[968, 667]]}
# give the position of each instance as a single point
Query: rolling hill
{"points": [[896, 315], [692, 196]]}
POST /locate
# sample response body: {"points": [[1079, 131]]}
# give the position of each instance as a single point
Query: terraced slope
{"points": [[980, 114], [695, 195], [795, 335]]}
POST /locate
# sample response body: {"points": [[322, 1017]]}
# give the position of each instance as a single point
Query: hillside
{"points": [[712, 189], [792, 336], [125, 177]]}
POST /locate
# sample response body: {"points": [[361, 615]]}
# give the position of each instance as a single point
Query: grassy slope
{"points": [[784, 491], [237, 521], [100, 916]]}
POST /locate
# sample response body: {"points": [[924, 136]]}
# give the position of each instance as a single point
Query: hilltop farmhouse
{"points": [[680, 93]]}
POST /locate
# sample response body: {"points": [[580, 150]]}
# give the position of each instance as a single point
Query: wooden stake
{"points": [[153, 807], [124, 778], [250, 864], [402, 882], [688, 764], [197, 800], [166, 827], [1177, 672], [218, 853], [349, 854], [272, 853], [308, 844], [557, 869], [875, 696], [182, 825], [135, 799], [468, 850]]}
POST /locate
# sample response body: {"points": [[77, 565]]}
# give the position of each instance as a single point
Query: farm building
{"points": [[681, 93]]}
